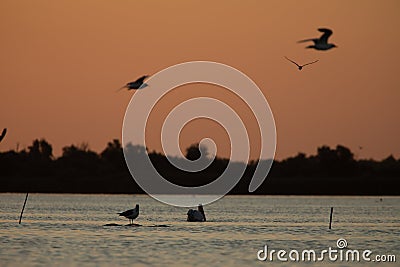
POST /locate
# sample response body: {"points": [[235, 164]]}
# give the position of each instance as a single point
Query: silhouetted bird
{"points": [[320, 43], [138, 84], [3, 133], [300, 67], [131, 214], [196, 215]]}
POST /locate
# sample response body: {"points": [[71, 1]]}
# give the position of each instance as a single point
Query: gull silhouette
{"points": [[321, 43], [138, 84], [3, 133], [300, 67], [196, 215], [131, 214]]}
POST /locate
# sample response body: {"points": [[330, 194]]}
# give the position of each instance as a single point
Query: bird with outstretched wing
{"points": [[3, 134], [300, 67], [321, 43], [138, 84]]}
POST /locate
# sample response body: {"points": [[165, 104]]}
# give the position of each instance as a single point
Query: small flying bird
{"points": [[3, 134], [131, 214], [138, 84], [300, 67], [321, 43]]}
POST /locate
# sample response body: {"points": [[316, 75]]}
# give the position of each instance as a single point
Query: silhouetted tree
{"points": [[299, 165], [195, 151], [40, 150], [113, 155], [388, 167], [79, 160], [339, 161], [326, 155], [40, 158], [13, 163], [344, 154], [330, 171]]}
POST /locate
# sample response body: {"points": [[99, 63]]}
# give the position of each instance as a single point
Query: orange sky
{"points": [[61, 62]]}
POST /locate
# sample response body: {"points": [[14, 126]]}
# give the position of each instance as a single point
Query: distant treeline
{"points": [[80, 170]]}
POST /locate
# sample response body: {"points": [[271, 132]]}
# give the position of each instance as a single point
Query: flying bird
{"points": [[300, 67], [131, 214], [321, 43], [3, 133], [138, 84]]}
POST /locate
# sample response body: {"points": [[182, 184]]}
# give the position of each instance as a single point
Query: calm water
{"points": [[68, 230]]}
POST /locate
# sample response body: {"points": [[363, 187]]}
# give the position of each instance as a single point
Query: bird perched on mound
{"points": [[321, 43], [138, 84], [300, 67], [196, 215], [131, 214]]}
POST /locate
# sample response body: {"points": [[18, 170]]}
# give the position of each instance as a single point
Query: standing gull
{"points": [[131, 214], [321, 43], [300, 67], [3, 133], [138, 84]]}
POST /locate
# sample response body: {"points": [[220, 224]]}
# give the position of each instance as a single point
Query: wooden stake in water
{"points": [[330, 218], [23, 207]]}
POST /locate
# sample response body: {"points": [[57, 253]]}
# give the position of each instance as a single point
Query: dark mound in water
{"points": [[136, 225], [116, 224], [133, 225], [112, 224]]}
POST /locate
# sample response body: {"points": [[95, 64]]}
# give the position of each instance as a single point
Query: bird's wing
{"points": [[141, 79], [293, 62], [143, 85], [125, 86], [125, 213], [3, 133], [310, 63], [308, 40], [324, 37]]}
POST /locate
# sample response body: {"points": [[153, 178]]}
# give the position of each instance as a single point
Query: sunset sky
{"points": [[61, 62]]}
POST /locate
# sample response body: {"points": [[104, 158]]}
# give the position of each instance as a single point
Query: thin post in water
{"points": [[23, 207], [330, 218]]}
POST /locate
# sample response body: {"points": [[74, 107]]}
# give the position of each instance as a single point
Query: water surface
{"points": [[68, 230]]}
